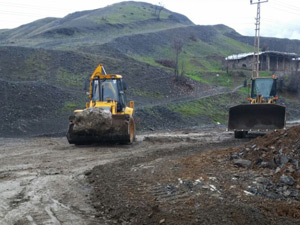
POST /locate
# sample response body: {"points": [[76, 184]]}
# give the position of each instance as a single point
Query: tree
{"points": [[177, 47], [158, 9]]}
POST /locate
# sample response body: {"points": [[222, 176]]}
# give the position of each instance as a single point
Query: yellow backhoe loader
{"points": [[106, 118], [262, 113]]}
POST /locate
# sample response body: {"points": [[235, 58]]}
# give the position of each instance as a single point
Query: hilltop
{"points": [[93, 26], [43, 66]]}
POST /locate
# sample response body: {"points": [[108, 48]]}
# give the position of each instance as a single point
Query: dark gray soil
{"points": [[191, 184]]}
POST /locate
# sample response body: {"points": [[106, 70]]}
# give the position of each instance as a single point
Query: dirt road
{"points": [[43, 179], [163, 178]]}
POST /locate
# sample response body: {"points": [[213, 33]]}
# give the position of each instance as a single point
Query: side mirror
{"points": [[86, 85]]}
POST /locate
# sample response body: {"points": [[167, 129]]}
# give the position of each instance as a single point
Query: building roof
{"points": [[245, 55]]}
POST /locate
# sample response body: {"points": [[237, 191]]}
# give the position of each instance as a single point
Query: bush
{"points": [[166, 62]]}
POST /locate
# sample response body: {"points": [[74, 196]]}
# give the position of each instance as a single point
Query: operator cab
{"points": [[265, 87], [107, 90]]}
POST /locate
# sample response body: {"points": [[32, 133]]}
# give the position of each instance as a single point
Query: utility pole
{"points": [[255, 62]]}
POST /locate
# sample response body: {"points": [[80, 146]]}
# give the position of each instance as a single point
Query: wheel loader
{"points": [[262, 113], [106, 118]]}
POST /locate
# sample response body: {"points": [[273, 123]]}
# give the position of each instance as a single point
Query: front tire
{"points": [[240, 134]]}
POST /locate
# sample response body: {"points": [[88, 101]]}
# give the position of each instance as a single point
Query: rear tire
{"points": [[131, 131], [240, 134]]}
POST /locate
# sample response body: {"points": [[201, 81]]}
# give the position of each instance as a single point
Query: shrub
{"points": [[166, 62]]}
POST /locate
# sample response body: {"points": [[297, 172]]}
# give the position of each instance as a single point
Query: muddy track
{"points": [[43, 180], [181, 177]]}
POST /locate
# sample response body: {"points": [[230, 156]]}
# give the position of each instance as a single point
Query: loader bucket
{"points": [[122, 130], [256, 117]]}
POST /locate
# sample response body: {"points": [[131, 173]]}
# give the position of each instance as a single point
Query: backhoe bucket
{"points": [[256, 117]]}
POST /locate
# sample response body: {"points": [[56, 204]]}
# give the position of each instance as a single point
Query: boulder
{"points": [[242, 163], [287, 180]]}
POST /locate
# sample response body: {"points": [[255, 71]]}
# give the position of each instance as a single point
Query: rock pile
{"points": [[275, 159], [96, 119]]}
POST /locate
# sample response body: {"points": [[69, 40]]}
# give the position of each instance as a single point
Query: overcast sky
{"points": [[279, 18]]}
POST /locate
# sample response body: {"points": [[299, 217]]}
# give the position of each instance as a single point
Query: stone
{"points": [[242, 163], [286, 193], [271, 164], [283, 160], [234, 156], [294, 193], [277, 170], [287, 180], [162, 221], [259, 161], [93, 119], [290, 169], [262, 180], [295, 163], [264, 164]]}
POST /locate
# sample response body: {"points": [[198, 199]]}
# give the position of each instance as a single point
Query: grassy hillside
{"points": [[93, 26], [204, 48], [44, 64], [275, 44]]}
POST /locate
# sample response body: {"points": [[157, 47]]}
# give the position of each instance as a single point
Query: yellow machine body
{"points": [[107, 92], [262, 113]]}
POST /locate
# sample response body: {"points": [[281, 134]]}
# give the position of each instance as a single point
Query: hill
{"points": [[93, 26], [44, 64], [275, 44]]}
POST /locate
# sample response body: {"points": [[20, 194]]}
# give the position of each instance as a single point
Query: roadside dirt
{"points": [[202, 184], [183, 177], [43, 180]]}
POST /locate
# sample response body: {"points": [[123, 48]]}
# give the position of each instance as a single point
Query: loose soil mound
{"points": [[187, 185], [276, 158]]}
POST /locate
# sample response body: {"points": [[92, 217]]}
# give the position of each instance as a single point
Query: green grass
{"points": [[149, 60], [219, 78], [128, 13], [214, 108], [244, 90], [69, 79], [208, 107], [199, 57], [265, 74], [69, 106], [198, 78], [230, 46]]}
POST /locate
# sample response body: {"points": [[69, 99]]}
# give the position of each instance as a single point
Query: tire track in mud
{"points": [[44, 180], [131, 193]]}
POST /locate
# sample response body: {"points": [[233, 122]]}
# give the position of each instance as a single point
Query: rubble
{"points": [[242, 163], [275, 159]]}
